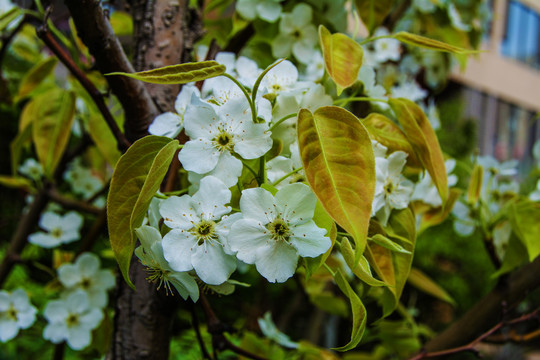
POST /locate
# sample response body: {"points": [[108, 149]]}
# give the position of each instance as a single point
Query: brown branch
{"points": [[96, 32], [488, 311], [49, 40], [195, 323], [71, 204]]}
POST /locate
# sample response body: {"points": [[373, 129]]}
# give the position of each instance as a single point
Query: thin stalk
{"points": [[343, 102], [246, 94], [281, 120], [287, 175]]}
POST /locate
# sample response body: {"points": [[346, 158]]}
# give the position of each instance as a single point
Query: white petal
{"points": [[178, 247], [178, 212], [167, 124], [77, 302], [8, 330], [55, 332], [269, 10], [88, 264], [200, 119], [228, 169], [277, 263], [309, 240], [302, 50], [254, 142], [246, 9], [55, 311], [184, 97], [211, 198], [78, 338], [281, 46], [199, 155], [297, 202], [148, 236], [92, 319], [69, 275], [211, 263], [50, 221], [185, 284], [258, 204], [72, 221], [302, 14], [43, 240], [247, 237]]}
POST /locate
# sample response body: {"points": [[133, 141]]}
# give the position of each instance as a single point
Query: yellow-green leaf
{"points": [[36, 75], [178, 74], [17, 145], [359, 268], [338, 160], [475, 185], [103, 137], [7, 17], [436, 216], [385, 242], [358, 313], [136, 179], [373, 12], [427, 43], [425, 284], [51, 126], [122, 23], [422, 137], [388, 133], [342, 57], [17, 182], [524, 216]]}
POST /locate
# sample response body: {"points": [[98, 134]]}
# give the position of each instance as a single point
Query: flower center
{"points": [[72, 320], [12, 313], [56, 232], [296, 34], [279, 230], [223, 141], [389, 187], [204, 231], [86, 283], [160, 276]]}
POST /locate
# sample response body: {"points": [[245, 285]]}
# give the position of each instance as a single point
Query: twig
{"points": [[71, 204], [195, 321], [88, 241], [45, 35], [59, 350]]}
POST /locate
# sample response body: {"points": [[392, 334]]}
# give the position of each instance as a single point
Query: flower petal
{"points": [[199, 155], [211, 263], [277, 263], [297, 202], [167, 124], [258, 204], [178, 212], [246, 237], [178, 247], [310, 240], [211, 198]]}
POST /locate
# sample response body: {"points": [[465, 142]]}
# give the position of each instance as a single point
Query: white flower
{"points": [[280, 78], [392, 190], [501, 236], [314, 70], [218, 132], [31, 169], [61, 229], [366, 75], [497, 169], [151, 255], [379, 150], [274, 231], [280, 166], [535, 195], [456, 20], [72, 319], [16, 312], [243, 69], [425, 6], [83, 182], [464, 222], [198, 240], [170, 124], [296, 34], [85, 274], [268, 10], [387, 48], [409, 90], [426, 191], [270, 330]]}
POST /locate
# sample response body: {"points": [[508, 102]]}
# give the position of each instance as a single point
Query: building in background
{"points": [[501, 86]]}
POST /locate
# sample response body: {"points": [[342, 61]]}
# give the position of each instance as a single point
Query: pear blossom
{"points": [[535, 195], [60, 229], [72, 320], [281, 166], [425, 6], [198, 239], [245, 70], [151, 255], [392, 189], [83, 182], [16, 312], [496, 168], [268, 10], [218, 133], [296, 34], [275, 230], [32, 169], [501, 236], [85, 274], [282, 77], [409, 90], [426, 191], [386, 48], [314, 70], [170, 124], [464, 221], [455, 18]]}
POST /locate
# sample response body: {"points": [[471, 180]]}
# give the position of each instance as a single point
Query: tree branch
{"points": [[71, 204]]}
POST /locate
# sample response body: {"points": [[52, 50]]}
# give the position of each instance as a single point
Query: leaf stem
{"points": [[281, 120], [329, 270], [246, 94], [287, 175], [259, 79], [345, 101]]}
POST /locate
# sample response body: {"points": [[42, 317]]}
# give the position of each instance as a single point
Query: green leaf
{"points": [[437, 216], [17, 145], [7, 17], [425, 284], [422, 137], [36, 75], [51, 126], [388, 133], [324, 221], [358, 313], [427, 43], [17, 182], [338, 160], [373, 12], [178, 74], [359, 267], [122, 23], [515, 255], [388, 244], [394, 267], [135, 181], [103, 137], [524, 216], [342, 57]]}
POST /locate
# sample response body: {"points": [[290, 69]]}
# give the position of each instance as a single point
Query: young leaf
{"points": [[36, 75], [17, 182], [427, 43], [103, 137], [338, 160], [373, 12], [19, 142], [358, 312], [361, 267], [178, 74], [388, 133], [475, 185], [342, 57], [135, 181], [437, 216], [7, 17], [424, 283], [388, 244], [422, 137], [51, 126], [524, 217]]}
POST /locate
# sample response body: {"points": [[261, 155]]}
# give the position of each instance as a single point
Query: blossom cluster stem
{"points": [[246, 94], [287, 175], [281, 120]]}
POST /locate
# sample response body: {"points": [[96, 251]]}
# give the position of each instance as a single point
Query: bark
{"points": [[489, 310]]}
